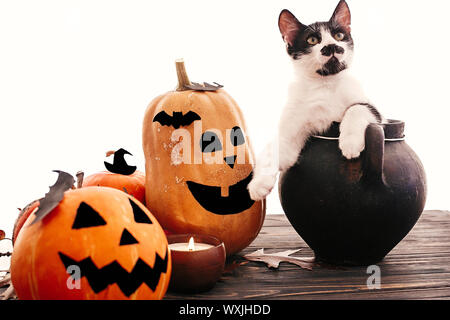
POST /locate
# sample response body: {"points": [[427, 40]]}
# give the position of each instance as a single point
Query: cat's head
{"points": [[322, 48]]}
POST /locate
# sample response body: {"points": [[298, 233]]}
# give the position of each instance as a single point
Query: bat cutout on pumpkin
{"points": [[119, 164], [177, 119], [128, 282], [51, 200], [210, 198]]}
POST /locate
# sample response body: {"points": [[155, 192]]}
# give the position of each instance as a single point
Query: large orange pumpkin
{"points": [[120, 176], [199, 163], [102, 238]]}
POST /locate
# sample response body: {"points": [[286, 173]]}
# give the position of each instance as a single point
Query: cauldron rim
{"points": [[393, 130]]}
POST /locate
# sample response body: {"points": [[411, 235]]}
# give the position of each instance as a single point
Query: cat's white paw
{"points": [[260, 187], [351, 146]]}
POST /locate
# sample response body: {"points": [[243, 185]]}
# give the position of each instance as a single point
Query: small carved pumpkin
{"points": [[120, 176], [200, 185], [98, 243]]}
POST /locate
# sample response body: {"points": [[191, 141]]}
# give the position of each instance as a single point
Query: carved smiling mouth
{"points": [[211, 199], [128, 282]]}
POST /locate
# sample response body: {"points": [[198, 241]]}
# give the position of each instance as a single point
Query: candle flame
{"points": [[191, 246]]}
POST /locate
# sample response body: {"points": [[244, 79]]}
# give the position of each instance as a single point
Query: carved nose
{"points": [[127, 238], [331, 49], [230, 161]]}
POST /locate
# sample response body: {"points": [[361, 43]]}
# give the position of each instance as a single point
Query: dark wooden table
{"points": [[418, 268]]}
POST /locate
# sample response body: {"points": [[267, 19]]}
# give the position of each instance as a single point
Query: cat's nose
{"points": [[331, 49]]}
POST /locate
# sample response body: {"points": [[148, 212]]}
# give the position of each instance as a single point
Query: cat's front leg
{"points": [[353, 128], [289, 149], [264, 174], [277, 156]]}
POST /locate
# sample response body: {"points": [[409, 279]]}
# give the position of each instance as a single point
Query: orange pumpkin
{"points": [[120, 176], [98, 243], [22, 218], [199, 163]]}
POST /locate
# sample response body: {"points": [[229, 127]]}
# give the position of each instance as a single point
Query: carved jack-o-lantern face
{"points": [[234, 200], [101, 237], [198, 166]]}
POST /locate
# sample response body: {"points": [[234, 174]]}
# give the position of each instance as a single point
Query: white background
{"points": [[76, 77]]}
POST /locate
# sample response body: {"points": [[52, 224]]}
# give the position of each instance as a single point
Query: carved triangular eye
{"points": [[87, 217], [127, 238], [139, 215]]}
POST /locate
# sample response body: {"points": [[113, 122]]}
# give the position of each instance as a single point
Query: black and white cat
{"points": [[322, 92]]}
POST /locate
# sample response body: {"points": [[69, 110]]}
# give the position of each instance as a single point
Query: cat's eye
{"points": [[210, 142], [339, 36], [313, 40]]}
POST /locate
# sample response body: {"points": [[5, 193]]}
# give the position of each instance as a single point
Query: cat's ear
{"points": [[342, 16], [289, 26]]}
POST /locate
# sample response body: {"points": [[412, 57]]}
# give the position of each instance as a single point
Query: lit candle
{"points": [[196, 266], [191, 246]]}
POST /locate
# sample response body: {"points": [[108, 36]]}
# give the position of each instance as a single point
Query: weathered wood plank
{"points": [[418, 268]]}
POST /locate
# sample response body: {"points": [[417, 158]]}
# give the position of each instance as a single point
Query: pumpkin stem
{"points": [[80, 178], [183, 79]]}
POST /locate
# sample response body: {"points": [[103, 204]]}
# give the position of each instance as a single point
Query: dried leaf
{"points": [[2, 234], [5, 280], [55, 195], [9, 293], [273, 260], [204, 87]]}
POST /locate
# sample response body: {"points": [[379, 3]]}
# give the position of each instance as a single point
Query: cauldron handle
{"points": [[374, 158]]}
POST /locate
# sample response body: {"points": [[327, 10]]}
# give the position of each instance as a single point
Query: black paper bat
{"points": [[54, 196], [177, 119]]}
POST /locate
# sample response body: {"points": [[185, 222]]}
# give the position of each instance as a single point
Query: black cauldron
{"points": [[354, 212]]}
